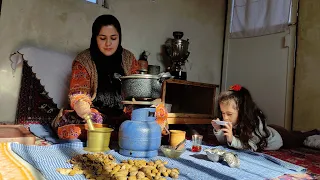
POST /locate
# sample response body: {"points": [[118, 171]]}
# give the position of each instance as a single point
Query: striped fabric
{"points": [[193, 166], [11, 167]]}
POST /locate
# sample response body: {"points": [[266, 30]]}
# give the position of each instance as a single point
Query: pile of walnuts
{"points": [[100, 166]]}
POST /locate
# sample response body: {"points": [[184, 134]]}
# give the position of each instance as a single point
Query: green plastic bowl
{"points": [[170, 152]]}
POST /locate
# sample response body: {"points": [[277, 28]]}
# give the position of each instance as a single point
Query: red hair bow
{"points": [[235, 87]]}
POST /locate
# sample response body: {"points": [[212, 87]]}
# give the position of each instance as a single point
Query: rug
{"points": [[34, 104], [305, 157]]}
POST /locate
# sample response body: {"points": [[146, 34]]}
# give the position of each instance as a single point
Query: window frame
{"points": [[103, 3], [0, 6]]}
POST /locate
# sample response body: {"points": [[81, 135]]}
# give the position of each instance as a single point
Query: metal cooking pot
{"points": [[141, 86]]}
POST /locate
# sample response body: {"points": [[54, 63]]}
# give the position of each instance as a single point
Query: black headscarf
{"points": [[109, 89]]}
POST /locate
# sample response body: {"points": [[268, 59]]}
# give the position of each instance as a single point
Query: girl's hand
{"points": [[215, 125], [228, 132]]}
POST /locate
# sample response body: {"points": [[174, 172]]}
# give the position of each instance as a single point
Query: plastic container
{"points": [[177, 136]]}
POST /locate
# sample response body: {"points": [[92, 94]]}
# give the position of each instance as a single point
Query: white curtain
{"points": [[252, 18]]}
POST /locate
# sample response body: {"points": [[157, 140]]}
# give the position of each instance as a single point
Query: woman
{"points": [[93, 90]]}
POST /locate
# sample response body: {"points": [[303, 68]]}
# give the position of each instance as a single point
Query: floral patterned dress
{"points": [[83, 86]]}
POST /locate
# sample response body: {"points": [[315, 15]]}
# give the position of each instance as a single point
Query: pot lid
{"points": [[146, 76], [140, 76]]}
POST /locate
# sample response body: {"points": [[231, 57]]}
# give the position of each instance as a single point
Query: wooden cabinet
{"points": [[192, 102]]}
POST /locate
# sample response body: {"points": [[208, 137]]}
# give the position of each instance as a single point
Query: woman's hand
{"points": [[82, 108], [215, 125], [228, 132]]}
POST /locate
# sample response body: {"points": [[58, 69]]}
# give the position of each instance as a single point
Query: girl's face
{"points": [[108, 40], [229, 112]]}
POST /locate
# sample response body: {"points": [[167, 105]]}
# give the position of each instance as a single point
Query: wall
{"points": [[261, 65], [65, 26], [307, 85], [264, 65]]}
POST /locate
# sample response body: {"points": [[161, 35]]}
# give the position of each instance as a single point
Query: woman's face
{"points": [[108, 40]]}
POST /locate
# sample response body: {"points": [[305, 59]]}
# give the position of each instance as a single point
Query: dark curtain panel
{"points": [[0, 6]]}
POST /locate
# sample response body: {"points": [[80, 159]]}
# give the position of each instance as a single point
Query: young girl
{"points": [[246, 124]]}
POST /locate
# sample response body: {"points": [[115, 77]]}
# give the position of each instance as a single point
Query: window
{"points": [[250, 18], [92, 1], [103, 3]]}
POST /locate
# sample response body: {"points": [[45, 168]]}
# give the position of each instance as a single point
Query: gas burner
{"points": [[137, 102], [143, 99], [143, 102]]}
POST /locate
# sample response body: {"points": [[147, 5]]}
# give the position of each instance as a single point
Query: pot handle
{"points": [[117, 76], [164, 76]]}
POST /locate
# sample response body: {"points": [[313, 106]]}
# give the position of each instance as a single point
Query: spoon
{"points": [[182, 142]]}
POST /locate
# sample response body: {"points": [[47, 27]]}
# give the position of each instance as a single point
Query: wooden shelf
{"points": [[189, 121], [184, 82], [184, 115], [192, 102]]}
